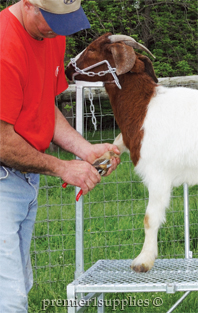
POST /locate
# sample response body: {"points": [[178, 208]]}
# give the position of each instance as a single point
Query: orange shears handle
{"points": [[64, 185]]}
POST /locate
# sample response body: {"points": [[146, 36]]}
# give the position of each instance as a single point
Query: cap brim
{"points": [[66, 24]]}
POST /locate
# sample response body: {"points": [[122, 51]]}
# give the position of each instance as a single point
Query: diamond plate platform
{"points": [[168, 275]]}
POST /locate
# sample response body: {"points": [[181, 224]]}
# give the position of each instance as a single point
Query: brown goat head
{"points": [[120, 54]]}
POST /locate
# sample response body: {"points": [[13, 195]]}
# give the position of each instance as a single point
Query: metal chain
{"points": [[84, 71], [92, 109], [92, 74], [111, 70]]}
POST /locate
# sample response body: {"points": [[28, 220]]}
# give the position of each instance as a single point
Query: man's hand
{"points": [[81, 174], [69, 139]]}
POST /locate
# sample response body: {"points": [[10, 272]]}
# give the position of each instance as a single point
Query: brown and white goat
{"points": [[159, 126]]}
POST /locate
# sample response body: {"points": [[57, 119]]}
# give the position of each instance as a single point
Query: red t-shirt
{"points": [[31, 75]]}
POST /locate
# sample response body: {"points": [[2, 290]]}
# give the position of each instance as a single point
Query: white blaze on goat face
{"points": [[159, 128]]}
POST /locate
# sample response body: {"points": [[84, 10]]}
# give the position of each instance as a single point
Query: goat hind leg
{"points": [[154, 217]]}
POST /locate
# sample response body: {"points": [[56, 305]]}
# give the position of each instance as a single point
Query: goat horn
{"points": [[130, 42]]}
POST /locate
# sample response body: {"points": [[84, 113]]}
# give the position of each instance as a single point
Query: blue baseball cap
{"points": [[64, 17]]}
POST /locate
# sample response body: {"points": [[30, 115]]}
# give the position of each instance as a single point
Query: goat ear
{"points": [[149, 67], [124, 57]]}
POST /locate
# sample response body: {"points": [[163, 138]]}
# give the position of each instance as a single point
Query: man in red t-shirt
{"points": [[32, 75]]}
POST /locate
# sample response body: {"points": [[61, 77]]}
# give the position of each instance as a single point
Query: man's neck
{"points": [[15, 9]]}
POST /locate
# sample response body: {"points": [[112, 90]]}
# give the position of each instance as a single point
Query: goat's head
{"points": [[118, 50]]}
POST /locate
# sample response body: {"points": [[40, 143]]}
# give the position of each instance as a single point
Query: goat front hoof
{"points": [[107, 156], [141, 268], [103, 163], [142, 263]]}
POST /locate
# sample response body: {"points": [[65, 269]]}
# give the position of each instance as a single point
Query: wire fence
{"points": [[113, 211]]}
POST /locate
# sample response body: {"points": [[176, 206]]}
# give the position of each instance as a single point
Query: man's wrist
{"points": [[86, 152]]}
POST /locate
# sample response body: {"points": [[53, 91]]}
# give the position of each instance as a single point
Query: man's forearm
{"points": [[15, 152], [19, 154], [66, 137]]}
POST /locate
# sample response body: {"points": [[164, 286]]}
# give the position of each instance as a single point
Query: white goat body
{"points": [[168, 157], [170, 142]]}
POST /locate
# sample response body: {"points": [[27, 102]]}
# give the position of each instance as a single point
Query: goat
{"points": [[159, 126]]}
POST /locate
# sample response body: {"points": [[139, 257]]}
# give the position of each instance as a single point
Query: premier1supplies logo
{"points": [[114, 304]]}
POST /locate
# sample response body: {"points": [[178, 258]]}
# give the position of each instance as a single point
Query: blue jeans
{"points": [[18, 207]]}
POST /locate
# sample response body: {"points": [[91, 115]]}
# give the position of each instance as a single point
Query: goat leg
{"points": [[104, 161], [154, 217], [120, 144], [159, 196]]}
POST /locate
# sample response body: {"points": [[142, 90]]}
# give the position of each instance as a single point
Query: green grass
{"points": [[113, 229]]}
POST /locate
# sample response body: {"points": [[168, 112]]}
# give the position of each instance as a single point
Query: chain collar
{"points": [[111, 70], [92, 109]]}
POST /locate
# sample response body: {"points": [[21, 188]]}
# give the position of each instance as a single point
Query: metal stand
{"points": [[167, 275]]}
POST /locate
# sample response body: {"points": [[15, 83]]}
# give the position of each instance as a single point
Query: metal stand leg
{"points": [[101, 308], [79, 204], [188, 253], [178, 302], [72, 302]]}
